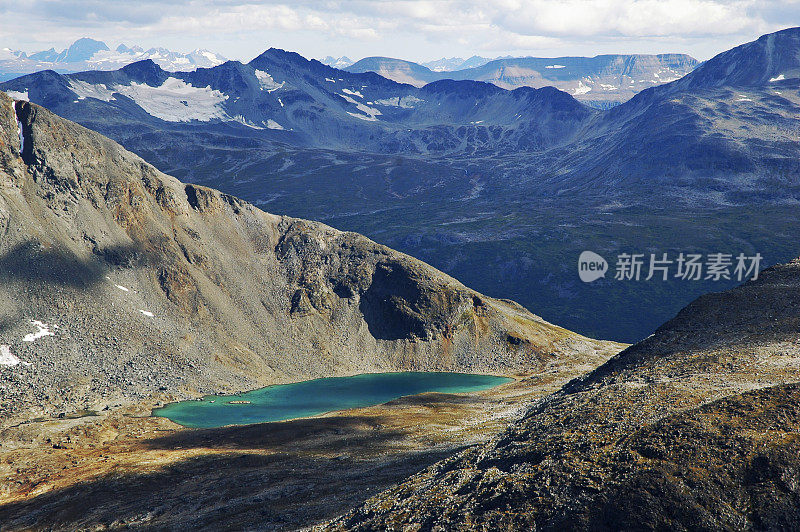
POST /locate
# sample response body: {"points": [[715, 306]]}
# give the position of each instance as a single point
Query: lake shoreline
{"points": [[310, 469], [318, 397]]}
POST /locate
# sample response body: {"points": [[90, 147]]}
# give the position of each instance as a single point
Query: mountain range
{"points": [[337, 62], [134, 288], [457, 63], [312, 105], [122, 287], [90, 54], [472, 177], [601, 81], [444, 64], [161, 284]]}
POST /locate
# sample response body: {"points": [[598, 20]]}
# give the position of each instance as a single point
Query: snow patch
{"points": [[280, 102], [174, 101], [266, 82], [331, 80], [114, 59], [406, 102], [7, 358], [580, 89], [83, 89], [362, 117], [271, 124], [122, 288], [16, 95], [353, 93], [147, 313], [178, 101], [556, 66], [43, 330], [242, 120], [780, 77], [370, 112]]}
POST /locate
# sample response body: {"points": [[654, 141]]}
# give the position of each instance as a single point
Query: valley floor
{"points": [[123, 468]]}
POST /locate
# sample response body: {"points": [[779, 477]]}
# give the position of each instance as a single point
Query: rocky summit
{"points": [[695, 428]]}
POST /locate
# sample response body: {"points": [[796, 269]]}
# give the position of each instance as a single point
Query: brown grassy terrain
{"points": [[123, 468], [694, 428]]}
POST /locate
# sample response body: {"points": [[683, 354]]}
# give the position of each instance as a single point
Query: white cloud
{"points": [[237, 18], [415, 29], [631, 18]]}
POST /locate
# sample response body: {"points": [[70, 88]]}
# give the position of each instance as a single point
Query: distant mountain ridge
{"points": [[601, 81], [440, 65], [337, 62], [306, 103], [81, 50], [457, 63], [89, 54]]}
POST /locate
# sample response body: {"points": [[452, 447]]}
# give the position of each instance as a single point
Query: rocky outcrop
{"points": [[145, 286], [695, 428]]}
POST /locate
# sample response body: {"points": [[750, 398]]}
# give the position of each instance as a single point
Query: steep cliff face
{"points": [[695, 428], [120, 283]]}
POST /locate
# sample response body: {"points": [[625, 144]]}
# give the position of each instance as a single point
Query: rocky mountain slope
{"points": [[729, 126], [601, 81], [477, 179], [695, 428], [121, 283]]}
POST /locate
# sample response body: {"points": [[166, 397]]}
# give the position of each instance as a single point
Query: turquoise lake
{"points": [[311, 398]]}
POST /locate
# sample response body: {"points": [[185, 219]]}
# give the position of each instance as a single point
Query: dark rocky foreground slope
{"points": [[119, 283], [694, 428]]}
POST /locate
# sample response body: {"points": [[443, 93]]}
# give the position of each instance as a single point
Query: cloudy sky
{"points": [[412, 29]]}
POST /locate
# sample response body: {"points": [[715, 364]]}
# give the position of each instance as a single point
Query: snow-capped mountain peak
{"points": [[89, 54], [337, 62]]}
